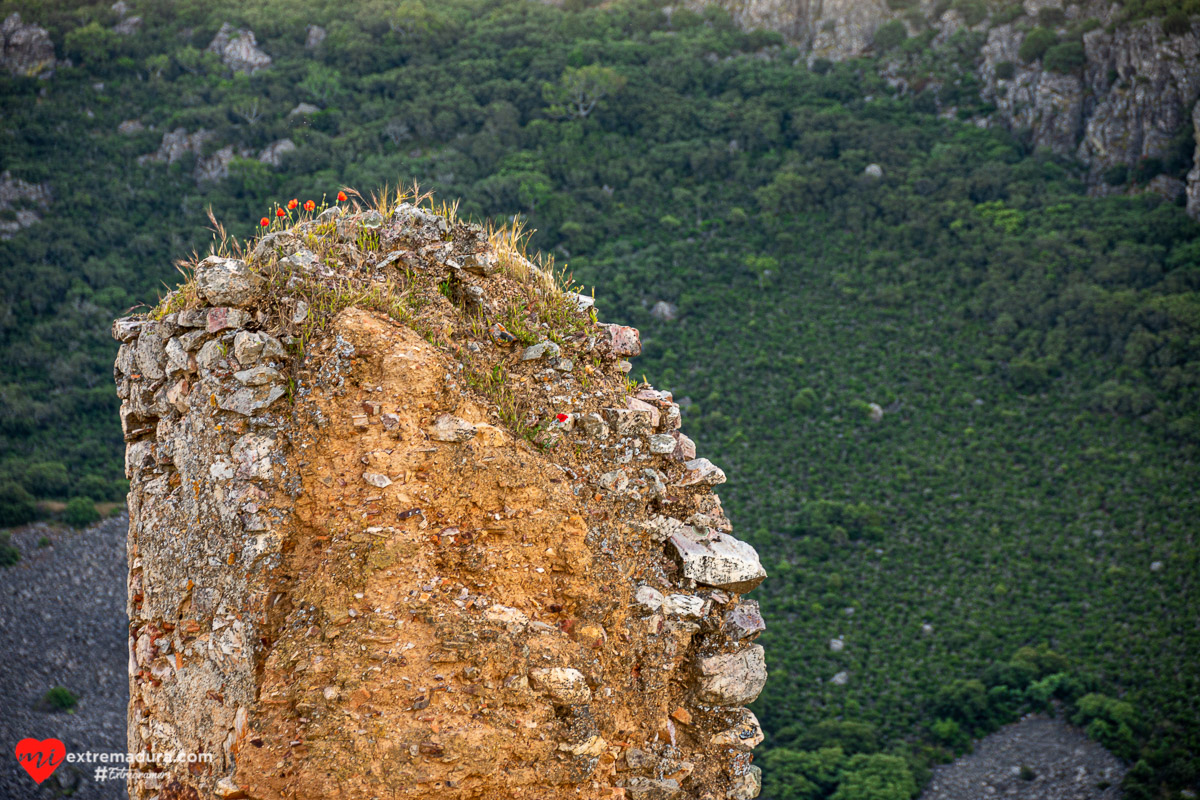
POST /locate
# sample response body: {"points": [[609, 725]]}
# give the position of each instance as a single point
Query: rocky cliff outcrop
{"points": [[238, 50], [1126, 103], [1193, 178], [400, 526], [25, 48]]}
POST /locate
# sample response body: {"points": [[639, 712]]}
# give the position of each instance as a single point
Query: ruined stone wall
{"points": [[354, 573]]}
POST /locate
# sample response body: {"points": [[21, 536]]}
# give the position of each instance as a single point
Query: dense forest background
{"points": [[1017, 532]]}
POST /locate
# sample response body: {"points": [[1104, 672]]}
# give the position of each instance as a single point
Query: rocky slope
{"points": [[400, 525], [1131, 98]]}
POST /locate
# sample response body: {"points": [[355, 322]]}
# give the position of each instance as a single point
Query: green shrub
{"points": [[59, 699], [1065, 58], [973, 11], [1036, 43], [1146, 169], [1051, 16], [1117, 175], [1007, 14], [1177, 23], [890, 36], [81, 512], [1006, 70], [901, 5], [9, 555], [47, 479], [16, 505]]}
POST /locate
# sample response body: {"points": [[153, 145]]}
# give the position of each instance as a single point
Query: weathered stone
{"points": [[564, 685], [513, 620], [641, 405], [731, 679], [546, 349], [660, 528], [127, 328], [701, 472], [313, 36], [177, 356], [151, 357], [616, 481], [873, 171], [250, 399], [220, 319], [649, 598], [747, 785], [840, 679], [717, 560], [250, 347], [448, 428], [278, 243], [593, 425], [628, 421], [258, 376], [211, 355], [685, 448], [744, 620], [652, 789], [836, 645], [252, 456], [622, 340], [485, 263], [377, 479], [371, 220], [745, 735], [671, 419], [228, 281], [684, 605], [662, 444]]}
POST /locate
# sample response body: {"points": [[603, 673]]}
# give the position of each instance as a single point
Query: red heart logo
{"points": [[40, 759]]}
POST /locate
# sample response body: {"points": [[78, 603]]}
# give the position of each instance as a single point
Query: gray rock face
{"points": [[228, 281], [717, 559], [25, 48], [273, 153], [744, 621], [731, 679], [314, 35], [238, 50], [26, 200], [1193, 177]]}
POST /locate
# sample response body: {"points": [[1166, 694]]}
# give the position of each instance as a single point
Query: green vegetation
{"points": [[80, 512], [9, 555], [1036, 43], [59, 699], [1036, 353]]}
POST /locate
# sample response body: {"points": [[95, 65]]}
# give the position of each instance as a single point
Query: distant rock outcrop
{"points": [[358, 553], [239, 50], [1193, 178], [1126, 101], [25, 48], [21, 204]]}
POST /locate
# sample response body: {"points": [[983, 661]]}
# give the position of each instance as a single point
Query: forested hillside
{"points": [[960, 398]]}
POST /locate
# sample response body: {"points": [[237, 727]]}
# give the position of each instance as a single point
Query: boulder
{"points": [[228, 282], [731, 679], [717, 560], [744, 620], [701, 472], [622, 340], [546, 349], [25, 48], [238, 50]]}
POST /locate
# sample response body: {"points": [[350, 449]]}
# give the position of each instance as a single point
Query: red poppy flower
{"points": [[264, 222], [293, 203], [310, 205], [341, 197], [562, 417], [279, 212]]}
